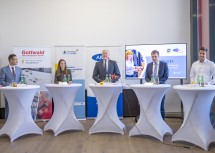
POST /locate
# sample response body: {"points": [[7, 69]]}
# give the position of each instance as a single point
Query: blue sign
{"points": [[97, 57], [92, 108]]}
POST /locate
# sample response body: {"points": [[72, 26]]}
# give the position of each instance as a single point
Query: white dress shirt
{"points": [[206, 68]]}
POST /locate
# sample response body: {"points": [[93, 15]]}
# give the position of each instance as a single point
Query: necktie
{"points": [[105, 66], [13, 72], [155, 70]]}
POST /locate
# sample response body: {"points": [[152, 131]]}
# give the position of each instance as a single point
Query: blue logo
{"points": [[176, 50], [97, 57]]}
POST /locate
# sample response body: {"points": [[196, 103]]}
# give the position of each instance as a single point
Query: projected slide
{"points": [[138, 56]]}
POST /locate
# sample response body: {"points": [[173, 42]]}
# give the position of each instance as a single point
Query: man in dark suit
{"points": [[157, 69], [10, 74], [105, 67]]}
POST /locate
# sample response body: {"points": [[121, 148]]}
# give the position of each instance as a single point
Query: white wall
{"points": [[94, 22]]}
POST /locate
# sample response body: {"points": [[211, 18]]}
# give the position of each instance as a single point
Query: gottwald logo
{"points": [[97, 57]]}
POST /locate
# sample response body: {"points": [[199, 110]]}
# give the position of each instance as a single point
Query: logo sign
{"points": [[33, 52], [71, 52], [97, 57]]}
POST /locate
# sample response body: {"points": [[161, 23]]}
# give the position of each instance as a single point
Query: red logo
{"points": [[33, 53]]}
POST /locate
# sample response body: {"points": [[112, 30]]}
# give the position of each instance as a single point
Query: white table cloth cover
{"points": [[150, 121], [196, 127], [63, 118], [19, 121], [107, 119]]}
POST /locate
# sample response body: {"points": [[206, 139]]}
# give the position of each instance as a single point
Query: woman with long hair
{"points": [[62, 74]]}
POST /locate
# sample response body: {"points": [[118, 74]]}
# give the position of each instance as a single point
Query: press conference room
{"points": [[103, 76]]}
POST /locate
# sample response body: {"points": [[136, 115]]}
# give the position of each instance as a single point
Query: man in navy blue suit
{"points": [[158, 69], [9, 74]]}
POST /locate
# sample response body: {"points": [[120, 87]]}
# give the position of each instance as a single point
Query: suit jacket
{"points": [[163, 72], [6, 76], [58, 79], [99, 73]]}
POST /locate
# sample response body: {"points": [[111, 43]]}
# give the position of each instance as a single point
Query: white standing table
{"points": [[63, 118], [196, 127], [19, 121], [150, 121], [107, 119]]}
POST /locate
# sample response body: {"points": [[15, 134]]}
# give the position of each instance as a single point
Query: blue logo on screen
{"points": [[97, 57], [176, 50]]}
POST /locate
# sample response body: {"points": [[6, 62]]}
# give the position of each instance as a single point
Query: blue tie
{"points": [[13, 72], [155, 70]]}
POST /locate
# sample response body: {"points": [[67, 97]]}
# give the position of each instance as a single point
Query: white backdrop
{"points": [[94, 23]]}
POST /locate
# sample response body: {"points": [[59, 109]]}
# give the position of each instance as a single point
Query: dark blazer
{"points": [[163, 72], [99, 70], [6, 76], [60, 78]]}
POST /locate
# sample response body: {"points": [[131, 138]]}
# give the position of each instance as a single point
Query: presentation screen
{"points": [[138, 56]]}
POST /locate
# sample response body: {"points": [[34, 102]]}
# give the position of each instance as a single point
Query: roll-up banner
{"points": [[37, 67], [75, 57], [94, 55]]}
